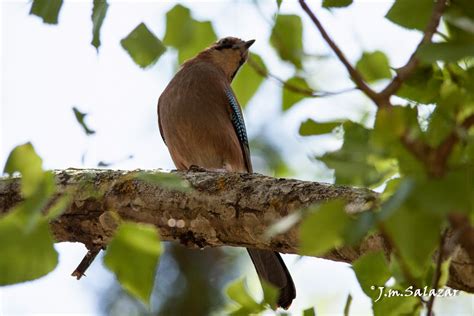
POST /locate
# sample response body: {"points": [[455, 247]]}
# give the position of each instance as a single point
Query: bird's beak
{"points": [[249, 43]]}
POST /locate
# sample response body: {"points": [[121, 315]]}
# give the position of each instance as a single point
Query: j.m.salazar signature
{"points": [[411, 291]]}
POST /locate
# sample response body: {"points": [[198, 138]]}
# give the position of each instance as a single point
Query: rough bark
{"points": [[232, 209]]}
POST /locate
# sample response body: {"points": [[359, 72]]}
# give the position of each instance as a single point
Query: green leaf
{"points": [[357, 163], [374, 66], [48, 10], [396, 305], [133, 255], [247, 81], [362, 225], [423, 85], [59, 207], [37, 186], [238, 293], [287, 38], [290, 97], [279, 3], [27, 254], [461, 79], [24, 159], [444, 277], [460, 29], [441, 124], [391, 186], [186, 34], [464, 6], [270, 294], [453, 98], [25, 240], [309, 312], [443, 195], [323, 229], [407, 225], [398, 272], [444, 273], [411, 14], [167, 180], [310, 127], [372, 271], [98, 14], [403, 188], [203, 36], [336, 3], [179, 27], [80, 117], [143, 46], [448, 51], [459, 20], [390, 125]]}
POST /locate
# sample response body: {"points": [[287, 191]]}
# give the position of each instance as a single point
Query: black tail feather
{"points": [[271, 268]]}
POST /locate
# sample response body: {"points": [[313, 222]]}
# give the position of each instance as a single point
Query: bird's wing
{"points": [[159, 122], [239, 126]]}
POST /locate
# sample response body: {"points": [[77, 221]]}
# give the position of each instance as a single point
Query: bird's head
{"points": [[229, 53]]}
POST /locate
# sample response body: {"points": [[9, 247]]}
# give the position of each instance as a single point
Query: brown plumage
{"points": [[201, 122]]}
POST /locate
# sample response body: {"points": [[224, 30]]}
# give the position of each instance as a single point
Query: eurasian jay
{"points": [[201, 122]]}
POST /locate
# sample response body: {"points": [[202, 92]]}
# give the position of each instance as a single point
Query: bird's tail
{"points": [[271, 268]]}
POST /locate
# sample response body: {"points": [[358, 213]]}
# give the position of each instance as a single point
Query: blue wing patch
{"points": [[237, 119]]}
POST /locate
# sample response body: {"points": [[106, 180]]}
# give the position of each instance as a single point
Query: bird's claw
{"points": [[195, 168]]}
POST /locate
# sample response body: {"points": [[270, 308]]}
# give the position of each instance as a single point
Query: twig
{"points": [[419, 149], [443, 151], [306, 92], [437, 274], [355, 75], [80, 271], [462, 263], [271, 23], [347, 307], [444, 36], [382, 99], [435, 159], [405, 71]]}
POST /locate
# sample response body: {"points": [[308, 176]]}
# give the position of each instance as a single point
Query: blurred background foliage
{"points": [[418, 152]]}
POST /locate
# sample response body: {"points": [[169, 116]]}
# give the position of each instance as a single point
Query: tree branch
{"points": [[441, 153], [293, 88], [435, 159], [382, 99], [233, 209], [437, 273], [355, 75], [404, 72], [79, 272]]}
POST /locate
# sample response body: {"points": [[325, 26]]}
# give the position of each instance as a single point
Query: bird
{"points": [[201, 122]]}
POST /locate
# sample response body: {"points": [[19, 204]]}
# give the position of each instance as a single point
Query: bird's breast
{"points": [[196, 122]]}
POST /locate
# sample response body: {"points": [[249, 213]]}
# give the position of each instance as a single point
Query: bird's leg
{"points": [[195, 168]]}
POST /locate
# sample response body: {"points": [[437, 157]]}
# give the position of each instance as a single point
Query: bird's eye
{"points": [[224, 43]]}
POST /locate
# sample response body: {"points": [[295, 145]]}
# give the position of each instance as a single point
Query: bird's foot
{"points": [[195, 168]]}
